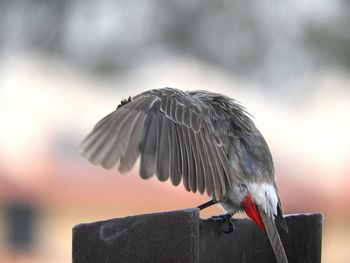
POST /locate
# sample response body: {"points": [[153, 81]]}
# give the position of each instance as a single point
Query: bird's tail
{"points": [[274, 237]]}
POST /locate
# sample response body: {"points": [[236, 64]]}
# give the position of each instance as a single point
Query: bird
{"points": [[204, 139]]}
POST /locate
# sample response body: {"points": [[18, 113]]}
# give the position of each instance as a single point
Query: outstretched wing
{"points": [[175, 139]]}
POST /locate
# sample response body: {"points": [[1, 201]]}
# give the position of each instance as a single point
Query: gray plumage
{"points": [[180, 135], [274, 237], [204, 139]]}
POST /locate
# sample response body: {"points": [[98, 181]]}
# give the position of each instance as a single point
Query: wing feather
{"points": [[197, 162], [149, 148], [217, 176], [209, 172], [134, 139], [172, 132], [185, 158], [163, 158], [98, 132], [100, 147], [202, 165], [176, 161], [118, 141], [192, 180]]}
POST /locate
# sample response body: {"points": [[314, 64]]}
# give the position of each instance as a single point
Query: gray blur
{"points": [[271, 46]]}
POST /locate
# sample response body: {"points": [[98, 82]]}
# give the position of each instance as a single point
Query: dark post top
{"points": [[181, 236]]}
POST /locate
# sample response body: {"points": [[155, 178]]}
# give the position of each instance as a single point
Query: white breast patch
{"points": [[265, 196]]}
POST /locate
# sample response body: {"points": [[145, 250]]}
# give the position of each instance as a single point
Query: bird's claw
{"points": [[225, 218], [220, 218]]}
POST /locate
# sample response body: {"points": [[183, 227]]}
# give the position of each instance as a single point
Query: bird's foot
{"points": [[225, 218]]}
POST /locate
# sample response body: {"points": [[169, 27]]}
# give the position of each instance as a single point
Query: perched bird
{"points": [[205, 139]]}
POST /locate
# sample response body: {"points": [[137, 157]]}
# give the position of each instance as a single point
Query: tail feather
{"points": [[279, 220], [274, 237]]}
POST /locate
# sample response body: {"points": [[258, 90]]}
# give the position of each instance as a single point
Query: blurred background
{"points": [[65, 64]]}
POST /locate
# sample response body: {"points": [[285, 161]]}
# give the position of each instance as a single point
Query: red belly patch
{"points": [[252, 211]]}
